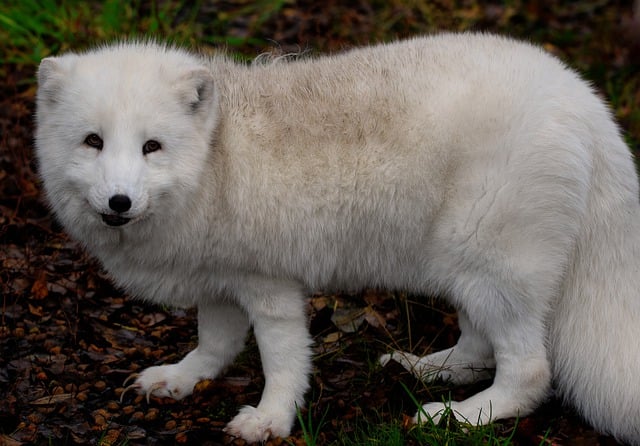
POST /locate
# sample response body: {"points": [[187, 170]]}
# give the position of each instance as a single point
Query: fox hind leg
{"points": [[500, 251], [470, 360], [508, 319]]}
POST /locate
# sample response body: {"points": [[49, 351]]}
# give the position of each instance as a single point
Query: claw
{"points": [[126, 389], [154, 387], [136, 386], [131, 386], [129, 378]]}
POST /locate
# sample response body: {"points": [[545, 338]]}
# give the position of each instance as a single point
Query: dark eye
{"points": [[151, 146], [94, 141]]}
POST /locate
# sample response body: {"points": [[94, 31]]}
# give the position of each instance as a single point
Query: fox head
{"points": [[123, 134]]}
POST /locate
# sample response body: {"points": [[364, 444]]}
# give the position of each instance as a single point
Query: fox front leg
{"points": [[222, 329], [278, 315]]}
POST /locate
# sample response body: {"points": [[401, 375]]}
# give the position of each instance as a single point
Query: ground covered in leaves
{"points": [[69, 339]]}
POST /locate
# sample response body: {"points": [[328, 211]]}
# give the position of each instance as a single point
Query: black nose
{"points": [[120, 203]]}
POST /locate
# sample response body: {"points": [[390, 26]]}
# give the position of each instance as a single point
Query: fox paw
{"points": [[417, 367], [162, 381], [254, 426], [441, 366], [431, 412]]}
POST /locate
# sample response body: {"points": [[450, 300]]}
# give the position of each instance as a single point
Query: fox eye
{"points": [[93, 140], [150, 146]]}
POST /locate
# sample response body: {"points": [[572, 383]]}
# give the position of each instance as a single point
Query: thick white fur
{"points": [[467, 165]]}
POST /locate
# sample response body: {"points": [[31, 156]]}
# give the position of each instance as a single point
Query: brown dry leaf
{"points": [[374, 318], [39, 288], [376, 297], [332, 337], [57, 288], [450, 320], [6, 440], [52, 399], [319, 302], [151, 319], [407, 421], [110, 437], [36, 310], [101, 418], [348, 320], [28, 188], [136, 433], [202, 385], [19, 284]]}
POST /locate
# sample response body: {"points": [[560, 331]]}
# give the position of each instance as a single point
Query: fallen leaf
{"points": [[332, 337], [348, 320], [36, 310], [6, 440], [52, 399], [39, 288], [374, 318]]}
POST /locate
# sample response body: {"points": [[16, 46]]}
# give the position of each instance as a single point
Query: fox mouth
{"points": [[114, 220]]}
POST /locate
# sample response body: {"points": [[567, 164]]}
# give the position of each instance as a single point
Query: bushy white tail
{"points": [[595, 333]]}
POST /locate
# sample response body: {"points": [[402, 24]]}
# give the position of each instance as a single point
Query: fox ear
{"points": [[196, 89], [51, 74]]}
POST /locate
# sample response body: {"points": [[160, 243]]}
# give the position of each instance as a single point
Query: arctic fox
{"points": [[467, 165]]}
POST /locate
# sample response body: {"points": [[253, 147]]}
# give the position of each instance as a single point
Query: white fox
{"points": [[468, 165]]}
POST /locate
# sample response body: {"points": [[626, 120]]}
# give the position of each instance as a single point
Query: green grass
{"points": [[33, 29], [378, 432], [449, 431], [310, 428]]}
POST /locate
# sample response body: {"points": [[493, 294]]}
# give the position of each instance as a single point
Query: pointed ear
{"points": [[196, 89], [51, 74]]}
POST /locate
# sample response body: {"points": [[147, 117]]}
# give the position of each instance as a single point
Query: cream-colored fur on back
{"points": [[467, 165]]}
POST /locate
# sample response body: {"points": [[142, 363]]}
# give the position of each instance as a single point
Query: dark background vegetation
{"points": [[68, 338]]}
